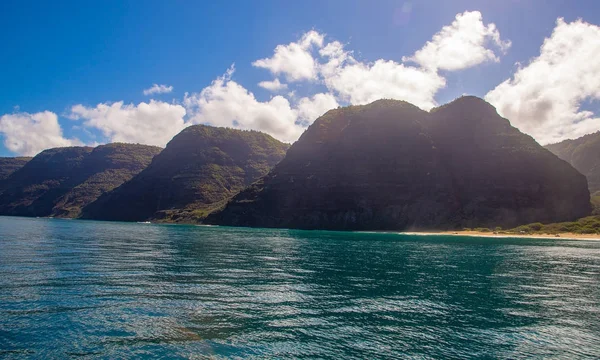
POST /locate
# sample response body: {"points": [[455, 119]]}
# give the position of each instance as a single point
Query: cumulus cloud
{"points": [[361, 83], [28, 134], [310, 108], [153, 123], [294, 60], [274, 85], [545, 97], [158, 89], [227, 103], [461, 45], [329, 66]]}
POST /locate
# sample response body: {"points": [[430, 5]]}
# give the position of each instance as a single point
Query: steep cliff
{"points": [[584, 155], [389, 165]]}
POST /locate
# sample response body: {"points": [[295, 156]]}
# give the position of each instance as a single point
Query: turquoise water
{"points": [[117, 290]]}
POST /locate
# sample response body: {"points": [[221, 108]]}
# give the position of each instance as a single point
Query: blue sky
{"points": [[62, 59]]}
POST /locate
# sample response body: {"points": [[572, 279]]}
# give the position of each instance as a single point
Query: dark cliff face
{"points": [[199, 169], [59, 182], [584, 155], [389, 165], [502, 177]]}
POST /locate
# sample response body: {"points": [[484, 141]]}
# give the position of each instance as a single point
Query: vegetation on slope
{"points": [[60, 181], [198, 171], [596, 203], [584, 155], [586, 225]]}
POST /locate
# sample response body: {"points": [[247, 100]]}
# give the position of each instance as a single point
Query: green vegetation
{"points": [[60, 182], [584, 155], [389, 165], [596, 203], [199, 170], [586, 225]]}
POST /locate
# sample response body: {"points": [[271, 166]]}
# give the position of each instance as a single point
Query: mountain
{"points": [[61, 181], [584, 155], [199, 170], [391, 166], [9, 165]]}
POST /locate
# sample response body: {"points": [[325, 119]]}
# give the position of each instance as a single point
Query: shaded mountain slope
{"points": [[389, 165], [584, 155], [500, 175], [200, 168], [60, 181]]}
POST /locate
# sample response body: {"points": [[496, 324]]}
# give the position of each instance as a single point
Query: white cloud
{"points": [[153, 123], [460, 45], [274, 85], [28, 134], [544, 98], [361, 83], [227, 103], [309, 109], [330, 67], [294, 60], [158, 89]]}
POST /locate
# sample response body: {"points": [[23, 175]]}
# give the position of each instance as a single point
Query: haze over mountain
{"points": [[584, 154], [390, 165], [59, 182], [200, 168]]}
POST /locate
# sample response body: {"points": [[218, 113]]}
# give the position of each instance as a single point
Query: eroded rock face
{"points": [[584, 155], [200, 169], [59, 182], [389, 165]]}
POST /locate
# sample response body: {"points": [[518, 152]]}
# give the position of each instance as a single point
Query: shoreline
{"points": [[563, 236]]}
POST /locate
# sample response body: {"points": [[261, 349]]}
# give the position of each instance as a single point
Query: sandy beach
{"points": [[565, 236]]}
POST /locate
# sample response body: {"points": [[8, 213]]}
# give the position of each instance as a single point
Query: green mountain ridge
{"points": [[198, 171], [61, 181], [390, 166], [584, 154]]}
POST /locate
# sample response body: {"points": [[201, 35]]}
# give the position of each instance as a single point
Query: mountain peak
{"points": [[467, 102]]}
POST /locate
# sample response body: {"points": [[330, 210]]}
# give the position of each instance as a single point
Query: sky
{"points": [[87, 73]]}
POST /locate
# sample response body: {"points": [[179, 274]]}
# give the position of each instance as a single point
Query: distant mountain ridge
{"points": [[200, 169], [59, 182], [584, 154], [9, 165], [390, 166], [387, 165]]}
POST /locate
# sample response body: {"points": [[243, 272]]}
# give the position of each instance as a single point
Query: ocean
{"points": [[107, 290]]}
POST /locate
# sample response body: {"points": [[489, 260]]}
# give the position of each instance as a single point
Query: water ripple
{"points": [[114, 290]]}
